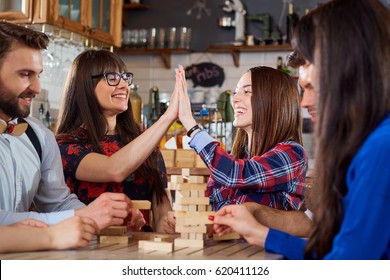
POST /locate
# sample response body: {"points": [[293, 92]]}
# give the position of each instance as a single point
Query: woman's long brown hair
{"points": [[276, 112], [351, 58], [80, 108]]}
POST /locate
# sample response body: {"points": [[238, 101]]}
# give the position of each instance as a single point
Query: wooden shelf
{"points": [[165, 54], [236, 50]]}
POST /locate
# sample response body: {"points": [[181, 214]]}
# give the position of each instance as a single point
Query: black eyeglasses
{"points": [[113, 78]]}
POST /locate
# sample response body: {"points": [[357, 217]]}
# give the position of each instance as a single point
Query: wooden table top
{"points": [[213, 250]]}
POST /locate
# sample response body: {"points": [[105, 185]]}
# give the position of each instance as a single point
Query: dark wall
{"points": [[205, 31]]}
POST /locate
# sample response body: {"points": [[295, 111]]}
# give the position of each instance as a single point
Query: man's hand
{"points": [[135, 220], [72, 233], [169, 222], [109, 209]]}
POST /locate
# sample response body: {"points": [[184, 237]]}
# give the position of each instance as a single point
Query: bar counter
{"points": [[213, 250]]}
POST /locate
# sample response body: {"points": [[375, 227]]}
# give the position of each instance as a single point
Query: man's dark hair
{"points": [[11, 34]]}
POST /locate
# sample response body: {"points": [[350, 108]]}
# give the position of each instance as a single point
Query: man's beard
{"points": [[9, 104]]}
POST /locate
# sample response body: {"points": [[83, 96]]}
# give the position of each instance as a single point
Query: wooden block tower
{"points": [[191, 208]]}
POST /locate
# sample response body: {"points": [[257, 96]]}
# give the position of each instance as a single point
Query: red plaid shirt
{"points": [[276, 178]]}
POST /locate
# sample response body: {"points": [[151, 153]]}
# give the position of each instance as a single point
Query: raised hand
{"points": [[173, 108], [185, 113]]}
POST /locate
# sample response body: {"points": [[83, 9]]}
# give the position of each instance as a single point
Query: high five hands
{"points": [[185, 113]]}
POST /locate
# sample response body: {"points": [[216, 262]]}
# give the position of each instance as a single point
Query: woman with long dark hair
{"points": [[350, 75], [102, 147]]}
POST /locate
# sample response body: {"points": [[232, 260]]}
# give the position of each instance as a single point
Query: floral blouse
{"points": [[135, 187]]}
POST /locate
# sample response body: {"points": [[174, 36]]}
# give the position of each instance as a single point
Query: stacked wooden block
{"points": [[182, 158], [191, 208]]}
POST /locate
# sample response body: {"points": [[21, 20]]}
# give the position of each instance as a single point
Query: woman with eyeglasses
{"points": [[102, 147], [268, 162]]}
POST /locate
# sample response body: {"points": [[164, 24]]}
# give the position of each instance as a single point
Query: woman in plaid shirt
{"points": [[268, 162]]}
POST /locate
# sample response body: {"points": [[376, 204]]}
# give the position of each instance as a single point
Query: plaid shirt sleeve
{"points": [[281, 164], [276, 178]]}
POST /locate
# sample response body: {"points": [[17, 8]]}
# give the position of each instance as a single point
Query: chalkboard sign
{"points": [[202, 17], [205, 74]]}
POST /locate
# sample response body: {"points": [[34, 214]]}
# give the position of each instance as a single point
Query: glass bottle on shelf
{"points": [[136, 103], [204, 114], [292, 20], [154, 105], [41, 113], [48, 120]]}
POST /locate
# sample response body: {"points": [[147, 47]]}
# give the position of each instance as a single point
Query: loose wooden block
{"points": [[229, 236], [106, 239], [142, 204], [114, 230], [158, 246], [188, 243]]}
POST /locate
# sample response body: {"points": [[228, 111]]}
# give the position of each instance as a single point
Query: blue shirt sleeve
{"points": [[8, 218], [200, 140], [291, 247]]}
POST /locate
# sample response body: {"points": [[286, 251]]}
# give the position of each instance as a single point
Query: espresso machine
{"points": [[238, 23]]}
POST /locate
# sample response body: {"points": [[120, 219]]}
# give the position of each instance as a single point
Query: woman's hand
{"points": [[173, 108], [185, 113], [237, 218]]}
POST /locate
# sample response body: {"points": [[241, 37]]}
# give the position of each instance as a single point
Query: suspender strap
{"points": [[33, 138]]}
